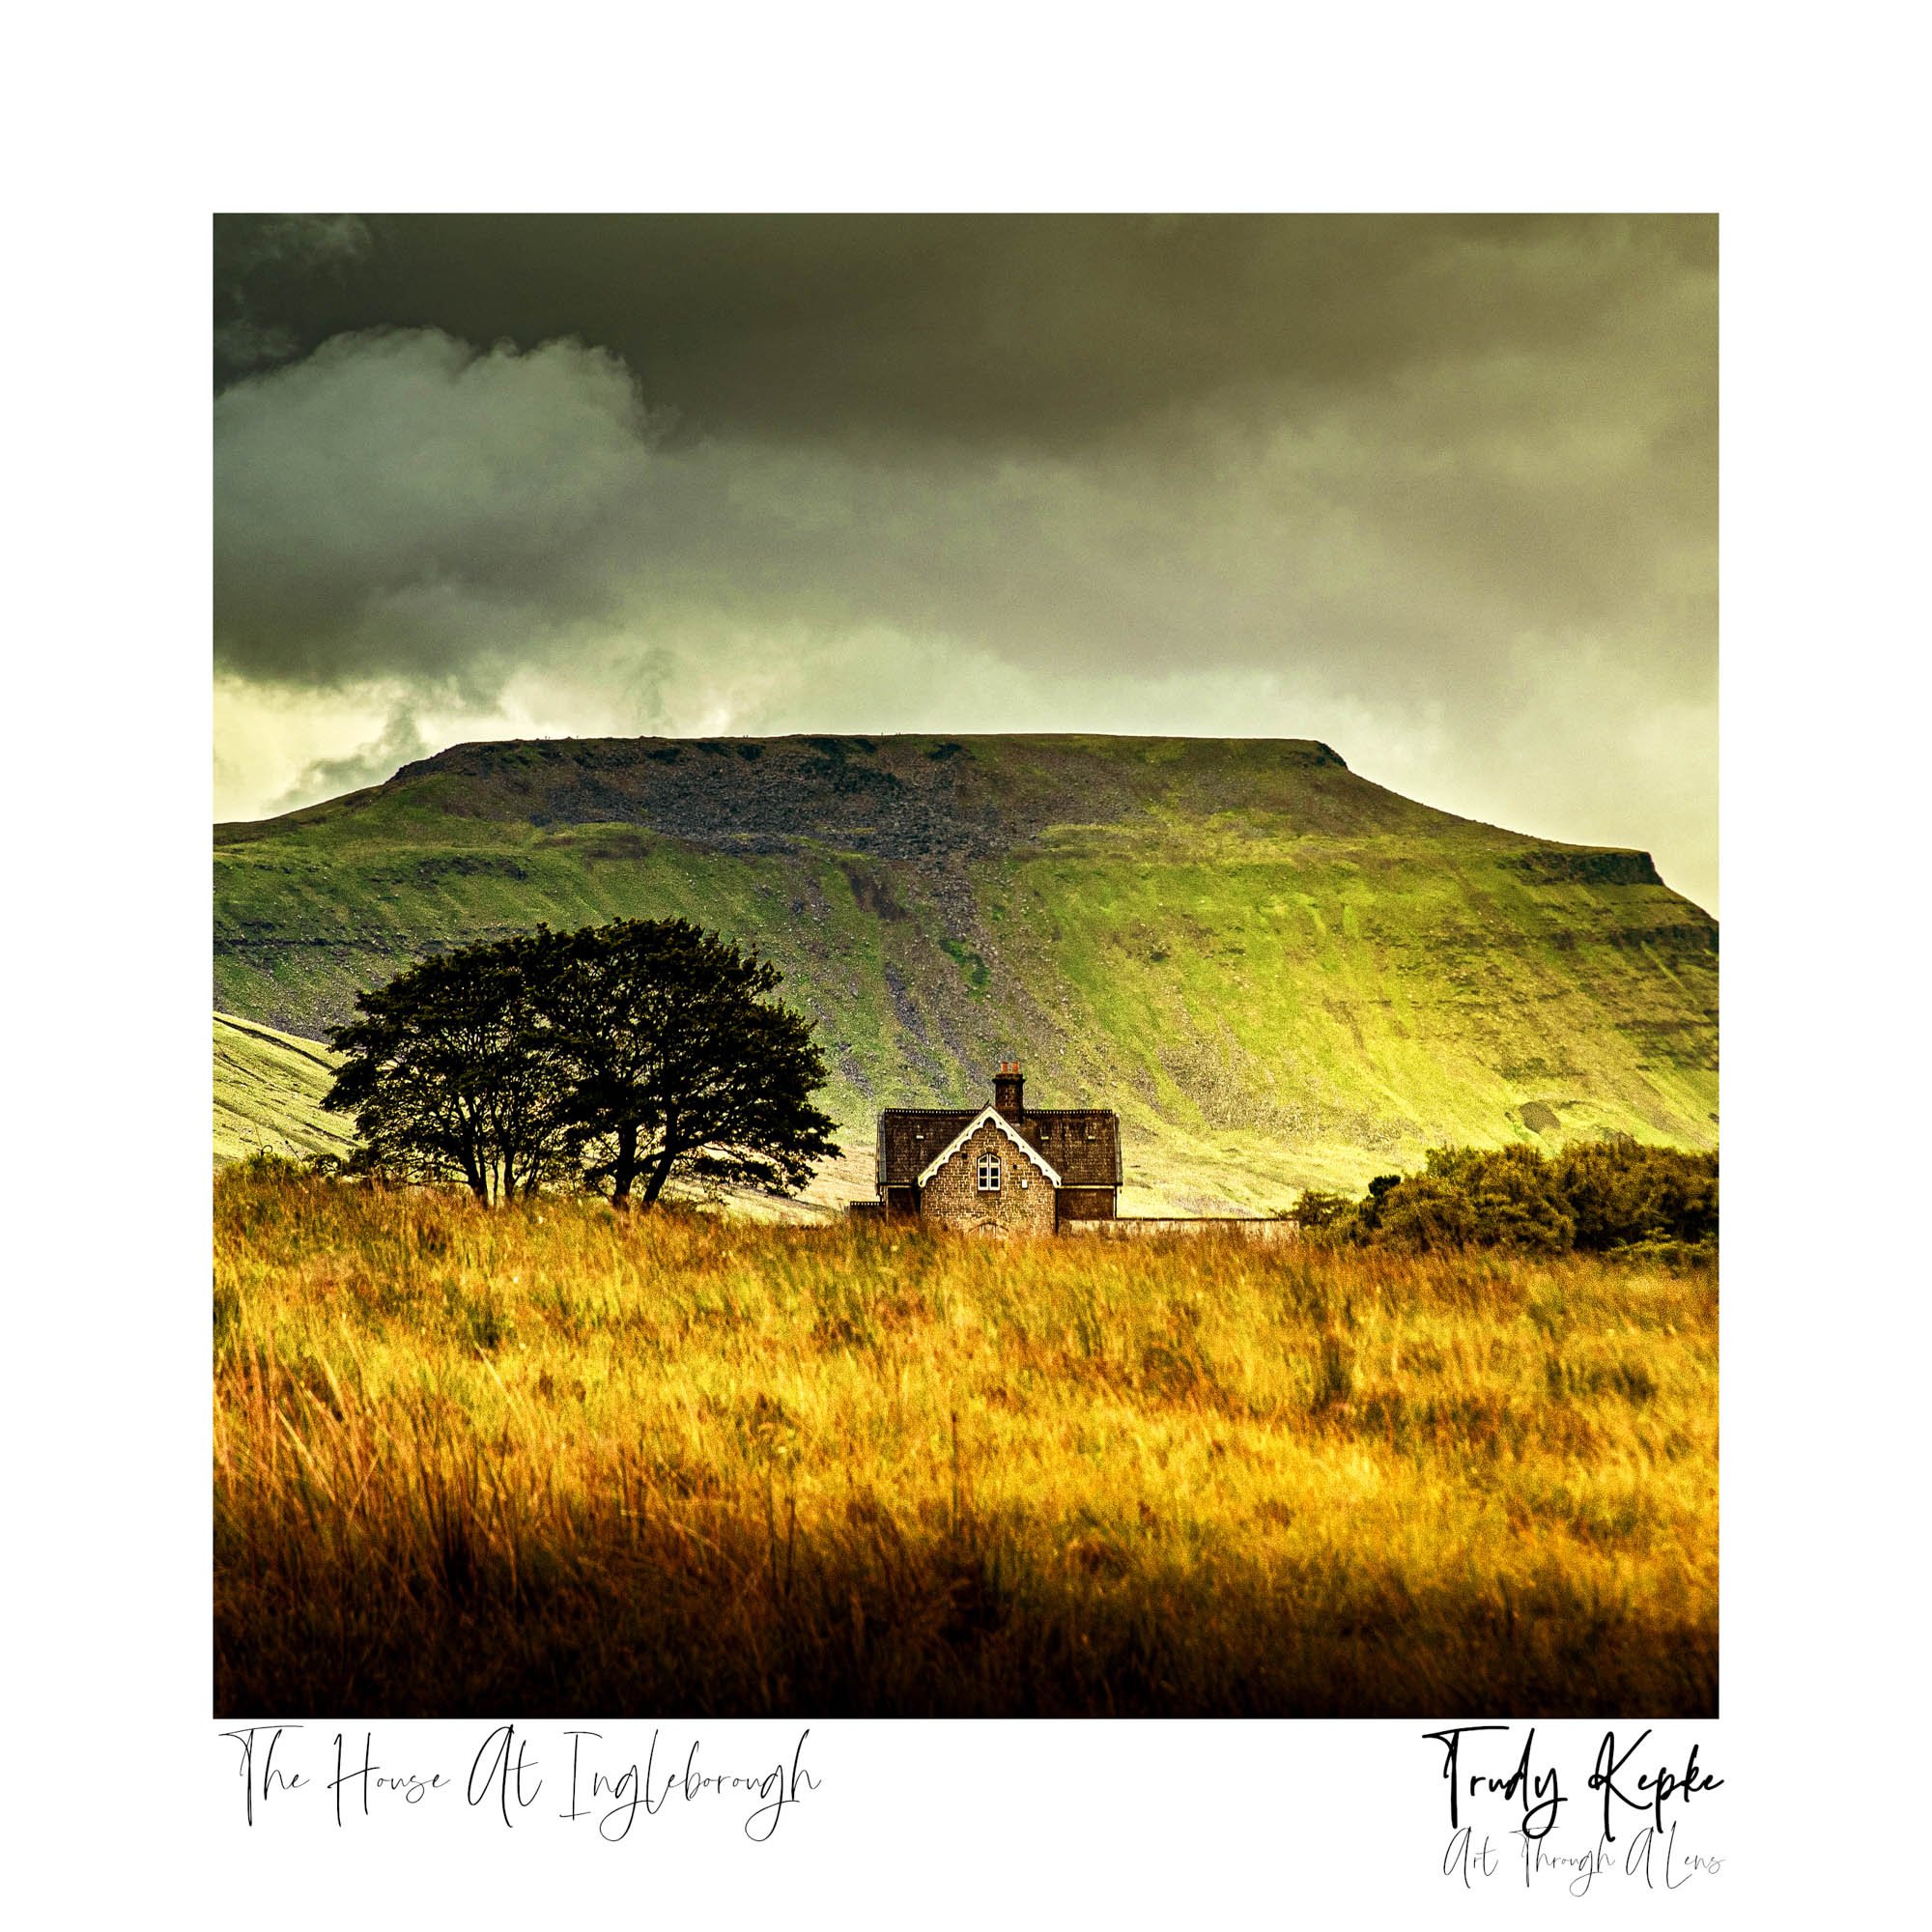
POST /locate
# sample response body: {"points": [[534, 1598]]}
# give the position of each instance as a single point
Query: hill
{"points": [[1281, 974], [267, 1093]]}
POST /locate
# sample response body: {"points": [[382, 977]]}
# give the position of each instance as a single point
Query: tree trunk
{"points": [[660, 1171], [625, 1171], [472, 1172]]}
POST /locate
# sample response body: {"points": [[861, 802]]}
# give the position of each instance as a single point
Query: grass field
{"points": [[551, 1460]]}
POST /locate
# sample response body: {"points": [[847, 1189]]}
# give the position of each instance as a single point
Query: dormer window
{"points": [[990, 1173]]}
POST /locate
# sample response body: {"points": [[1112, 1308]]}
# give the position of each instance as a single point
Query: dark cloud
{"points": [[1448, 483], [285, 260], [1031, 328]]}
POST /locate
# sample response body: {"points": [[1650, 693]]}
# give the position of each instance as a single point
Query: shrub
{"points": [[1316, 1209], [263, 1165], [1621, 1194], [1469, 1197], [1611, 1195]]}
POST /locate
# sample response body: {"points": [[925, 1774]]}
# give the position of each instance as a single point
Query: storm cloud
{"points": [[1440, 490]]}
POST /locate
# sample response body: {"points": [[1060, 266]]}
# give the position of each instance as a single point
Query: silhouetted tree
{"points": [[452, 1071], [680, 1063], [627, 1055]]}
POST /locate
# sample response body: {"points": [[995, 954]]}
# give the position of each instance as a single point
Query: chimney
{"points": [[1008, 1086]]}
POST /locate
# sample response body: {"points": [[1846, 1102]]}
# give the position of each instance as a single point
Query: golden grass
{"points": [[548, 1460]]}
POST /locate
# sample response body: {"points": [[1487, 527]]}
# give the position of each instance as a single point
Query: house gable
{"points": [[1082, 1144], [984, 1187], [966, 1133]]}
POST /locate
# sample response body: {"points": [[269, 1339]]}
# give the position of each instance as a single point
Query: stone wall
{"points": [[1149, 1227], [1023, 1205]]}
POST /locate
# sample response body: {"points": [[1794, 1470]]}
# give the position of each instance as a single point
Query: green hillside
{"points": [[267, 1093], [1279, 973]]}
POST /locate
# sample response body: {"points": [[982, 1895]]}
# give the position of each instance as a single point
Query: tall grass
{"points": [[546, 1460]]}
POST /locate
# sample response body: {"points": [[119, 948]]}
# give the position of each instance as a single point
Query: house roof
{"points": [[1082, 1144], [972, 1127]]}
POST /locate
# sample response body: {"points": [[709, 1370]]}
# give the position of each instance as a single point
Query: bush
{"points": [[264, 1165], [1622, 1193], [1316, 1209], [1479, 1199], [1611, 1195]]}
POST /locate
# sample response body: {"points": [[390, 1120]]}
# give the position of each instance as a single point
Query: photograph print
{"points": [[965, 966]]}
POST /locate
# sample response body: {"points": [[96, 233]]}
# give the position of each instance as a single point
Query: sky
{"points": [[1439, 491]]}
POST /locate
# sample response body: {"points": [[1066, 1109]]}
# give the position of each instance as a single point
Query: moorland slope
{"points": [[1281, 974]]}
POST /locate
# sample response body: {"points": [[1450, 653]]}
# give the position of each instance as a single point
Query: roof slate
{"points": [[1083, 1142]]}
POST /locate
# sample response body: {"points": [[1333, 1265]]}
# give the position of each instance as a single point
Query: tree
{"points": [[680, 1064], [625, 1055], [451, 1072]]}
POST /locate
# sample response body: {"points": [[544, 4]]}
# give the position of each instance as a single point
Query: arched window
{"points": [[990, 1173]]}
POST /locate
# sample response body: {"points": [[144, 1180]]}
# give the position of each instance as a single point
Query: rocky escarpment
{"points": [[895, 798], [1569, 864]]}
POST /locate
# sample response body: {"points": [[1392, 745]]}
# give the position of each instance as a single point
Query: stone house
{"points": [[1004, 1169]]}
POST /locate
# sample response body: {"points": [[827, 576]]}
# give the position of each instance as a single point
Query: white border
{"points": [[1800, 130]]}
